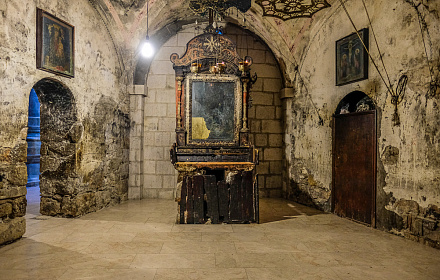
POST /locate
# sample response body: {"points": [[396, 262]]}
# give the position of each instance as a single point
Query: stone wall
{"points": [[408, 189], [159, 117], [158, 177], [266, 114], [100, 153]]}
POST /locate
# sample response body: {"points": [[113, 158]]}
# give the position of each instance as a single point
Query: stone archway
{"points": [[60, 152]]}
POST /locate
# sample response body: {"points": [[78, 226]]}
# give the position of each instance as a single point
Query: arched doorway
{"points": [[33, 155], [58, 153], [354, 158]]}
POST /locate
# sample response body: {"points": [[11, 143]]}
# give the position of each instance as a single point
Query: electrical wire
{"points": [[375, 40], [294, 61], [422, 26], [389, 88]]}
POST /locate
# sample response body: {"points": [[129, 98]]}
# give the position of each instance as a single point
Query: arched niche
{"points": [[355, 101], [60, 156]]}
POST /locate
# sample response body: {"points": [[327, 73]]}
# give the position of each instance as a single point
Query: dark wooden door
{"points": [[354, 166]]}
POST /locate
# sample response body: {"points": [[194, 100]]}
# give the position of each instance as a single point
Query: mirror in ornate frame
{"points": [[213, 109]]}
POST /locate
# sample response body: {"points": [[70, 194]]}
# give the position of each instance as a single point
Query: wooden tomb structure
{"points": [[216, 163]]}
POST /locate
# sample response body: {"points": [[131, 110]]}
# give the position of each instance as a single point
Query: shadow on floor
{"points": [[278, 209], [271, 209]]}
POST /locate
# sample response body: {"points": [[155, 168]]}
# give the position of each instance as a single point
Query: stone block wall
{"points": [[266, 114], [159, 121], [135, 180]]}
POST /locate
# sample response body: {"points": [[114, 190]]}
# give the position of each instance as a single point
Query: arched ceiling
{"points": [[126, 21]]}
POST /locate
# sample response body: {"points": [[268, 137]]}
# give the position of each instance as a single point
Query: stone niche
{"points": [[68, 145]]}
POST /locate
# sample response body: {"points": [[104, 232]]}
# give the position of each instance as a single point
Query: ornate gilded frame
{"points": [[238, 104], [55, 45]]}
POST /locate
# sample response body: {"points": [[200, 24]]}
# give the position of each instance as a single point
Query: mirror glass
{"points": [[213, 110]]}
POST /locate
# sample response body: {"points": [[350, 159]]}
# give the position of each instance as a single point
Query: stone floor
{"points": [[139, 240]]}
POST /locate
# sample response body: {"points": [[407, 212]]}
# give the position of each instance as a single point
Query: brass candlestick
{"points": [[195, 67], [221, 67], [243, 66]]}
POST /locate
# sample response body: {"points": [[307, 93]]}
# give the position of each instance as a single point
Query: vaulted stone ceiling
{"points": [[126, 21]]}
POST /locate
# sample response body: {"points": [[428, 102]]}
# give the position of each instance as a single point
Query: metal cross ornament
{"points": [[289, 9]]}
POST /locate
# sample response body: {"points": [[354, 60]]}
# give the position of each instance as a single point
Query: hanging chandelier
{"points": [[202, 7], [289, 9]]}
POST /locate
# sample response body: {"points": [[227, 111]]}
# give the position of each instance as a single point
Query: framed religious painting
{"points": [[352, 58], [55, 45]]}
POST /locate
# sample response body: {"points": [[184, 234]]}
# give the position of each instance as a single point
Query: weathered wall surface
{"points": [[408, 189], [100, 151]]}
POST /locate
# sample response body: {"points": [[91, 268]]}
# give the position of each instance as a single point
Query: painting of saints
{"points": [[351, 58], [56, 51]]}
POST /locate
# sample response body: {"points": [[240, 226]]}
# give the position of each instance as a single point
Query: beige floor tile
{"points": [[33, 248], [250, 228], [131, 247], [293, 272], [432, 270], [202, 228], [201, 274], [98, 236], [254, 260], [108, 274], [173, 261], [379, 272], [58, 259], [167, 236], [140, 227], [197, 247], [99, 261], [34, 274], [52, 237], [165, 220], [233, 236], [139, 240], [322, 259], [269, 247]]}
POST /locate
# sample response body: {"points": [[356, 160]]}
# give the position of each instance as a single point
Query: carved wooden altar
{"points": [[216, 163]]}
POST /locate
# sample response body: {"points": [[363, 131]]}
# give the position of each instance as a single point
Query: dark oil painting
{"points": [[55, 45], [352, 58]]}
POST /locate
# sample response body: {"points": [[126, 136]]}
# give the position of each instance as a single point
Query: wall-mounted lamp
{"points": [[147, 48]]}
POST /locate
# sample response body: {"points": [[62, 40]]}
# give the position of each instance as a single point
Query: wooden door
{"points": [[354, 166]]}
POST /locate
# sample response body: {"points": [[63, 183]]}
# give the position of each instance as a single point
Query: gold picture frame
{"points": [[55, 45]]}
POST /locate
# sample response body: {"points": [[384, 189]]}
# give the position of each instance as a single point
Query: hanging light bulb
{"points": [[147, 48]]}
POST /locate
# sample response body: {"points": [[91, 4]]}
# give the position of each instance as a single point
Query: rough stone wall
{"points": [[408, 189], [100, 104]]}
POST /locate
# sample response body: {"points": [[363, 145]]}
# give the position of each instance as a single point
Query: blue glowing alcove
{"points": [[33, 141]]}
